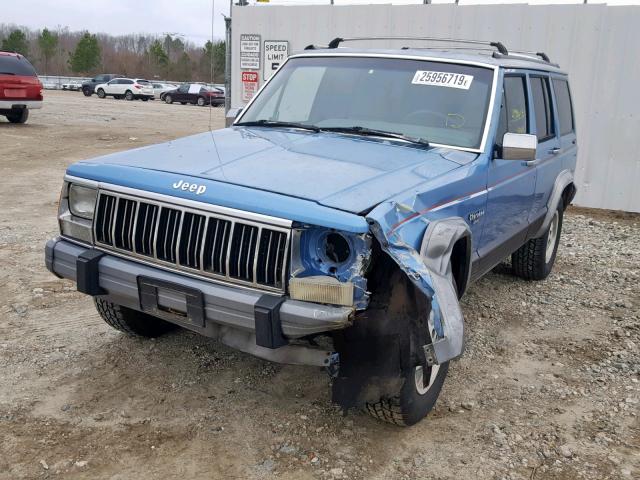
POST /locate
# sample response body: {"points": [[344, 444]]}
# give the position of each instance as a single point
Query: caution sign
{"points": [[249, 85], [250, 51], [275, 53]]}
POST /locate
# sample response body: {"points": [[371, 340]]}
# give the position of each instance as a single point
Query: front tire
{"points": [[416, 399], [101, 93], [201, 102], [130, 321], [534, 260], [20, 116], [128, 95], [168, 99], [86, 91], [145, 99]]}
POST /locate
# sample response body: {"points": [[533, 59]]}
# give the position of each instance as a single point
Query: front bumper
{"points": [[229, 311], [18, 103]]}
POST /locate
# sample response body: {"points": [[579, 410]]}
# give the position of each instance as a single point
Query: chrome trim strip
{"points": [[489, 119], [224, 279], [81, 181], [151, 197]]}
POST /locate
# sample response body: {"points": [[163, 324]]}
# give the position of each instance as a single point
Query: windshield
{"points": [[442, 103]]}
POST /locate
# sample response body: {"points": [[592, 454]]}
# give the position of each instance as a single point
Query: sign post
{"points": [[275, 53]]}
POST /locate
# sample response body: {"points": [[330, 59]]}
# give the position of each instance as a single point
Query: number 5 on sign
{"points": [[442, 79]]}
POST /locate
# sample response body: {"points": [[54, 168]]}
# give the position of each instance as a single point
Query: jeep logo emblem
{"points": [[190, 187]]}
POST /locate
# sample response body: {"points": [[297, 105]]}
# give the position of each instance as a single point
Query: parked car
{"points": [[127, 88], [325, 228], [73, 85], [89, 86], [196, 94], [160, 88], [20, 88]]}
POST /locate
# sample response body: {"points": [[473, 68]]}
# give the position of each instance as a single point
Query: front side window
{"points": [[542, 107], [565, 110], [183, 88], [513, 111], [442, 103]]}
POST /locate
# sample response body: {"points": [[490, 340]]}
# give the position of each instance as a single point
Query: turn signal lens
{"points": [[321, 289]]}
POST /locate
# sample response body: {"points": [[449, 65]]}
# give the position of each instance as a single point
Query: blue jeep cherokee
{"points": [[339, 219]]}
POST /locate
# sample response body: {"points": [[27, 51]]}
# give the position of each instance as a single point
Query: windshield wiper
{"points": [[7, 73], [371, 132], [276, 123]]}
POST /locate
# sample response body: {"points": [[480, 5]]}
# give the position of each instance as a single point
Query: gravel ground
{"points": [[548, 388]]}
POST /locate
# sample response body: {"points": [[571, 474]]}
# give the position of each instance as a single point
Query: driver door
{"points": [[511, 183]]}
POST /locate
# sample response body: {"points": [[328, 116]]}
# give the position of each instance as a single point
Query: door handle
{"points": [[531, 163], [555, 150]]}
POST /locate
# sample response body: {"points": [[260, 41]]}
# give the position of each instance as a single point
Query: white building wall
{"points": [[598, 45]]}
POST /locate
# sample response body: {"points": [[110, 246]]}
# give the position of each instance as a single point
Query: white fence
{"points": [[598, 45], [55, 82]]}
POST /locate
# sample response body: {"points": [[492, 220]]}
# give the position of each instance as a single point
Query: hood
{"points": [[344, 172]]}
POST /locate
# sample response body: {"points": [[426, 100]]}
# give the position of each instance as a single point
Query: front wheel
{"points": [[130, 321], [101, 93], [145, 99], [168, 99], [201, 102], [20, 116], [416, 399], [87, 92], [128, 95], [534, 260]]}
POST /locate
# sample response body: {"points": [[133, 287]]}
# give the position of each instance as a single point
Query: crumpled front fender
{"points": [[423, 252]]}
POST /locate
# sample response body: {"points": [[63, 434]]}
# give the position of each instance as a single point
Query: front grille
{"points": [[229, 248]]}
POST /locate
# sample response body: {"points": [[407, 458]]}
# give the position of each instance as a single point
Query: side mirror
{"points": [[519, 146], [231, 116]]}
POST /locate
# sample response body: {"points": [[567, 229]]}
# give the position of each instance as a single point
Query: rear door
{"points": [[548, 159], [511, 183]]}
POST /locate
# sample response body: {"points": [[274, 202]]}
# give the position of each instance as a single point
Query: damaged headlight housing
{"points": [[328, 266], [76, 209]]}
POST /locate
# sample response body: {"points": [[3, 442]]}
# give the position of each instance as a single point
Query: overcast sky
{"points": [[190, 18]]}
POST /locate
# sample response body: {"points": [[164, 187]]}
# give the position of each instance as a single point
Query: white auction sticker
{"points": [[442, 79]]}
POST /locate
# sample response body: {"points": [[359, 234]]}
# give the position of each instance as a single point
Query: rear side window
{"points": [[565, 110], [542, 106], [513, 112], [10, 65]]}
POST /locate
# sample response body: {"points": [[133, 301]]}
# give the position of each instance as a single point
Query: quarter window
{"points": [[542, 107], [565, 110], [513, 112]]}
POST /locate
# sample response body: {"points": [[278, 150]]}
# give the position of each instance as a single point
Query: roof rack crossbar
{"points": [[498, 45]]}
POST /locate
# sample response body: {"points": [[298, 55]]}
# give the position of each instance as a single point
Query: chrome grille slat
{"points": [[227, 248]]}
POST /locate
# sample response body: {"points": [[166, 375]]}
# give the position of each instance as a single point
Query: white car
{"points": [[159, 88], [72, 85], [128, 88]]}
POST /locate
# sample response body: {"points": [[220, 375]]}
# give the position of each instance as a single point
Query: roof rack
{"points": [[335, 43], [500, 52]]}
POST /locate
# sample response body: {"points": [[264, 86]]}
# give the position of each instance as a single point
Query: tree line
{"points": [[63, 52]]}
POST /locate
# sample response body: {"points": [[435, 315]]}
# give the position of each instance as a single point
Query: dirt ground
{"points": [[548, 387]]}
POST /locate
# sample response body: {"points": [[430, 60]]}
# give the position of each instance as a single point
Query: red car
{"points": [[20, 88]]}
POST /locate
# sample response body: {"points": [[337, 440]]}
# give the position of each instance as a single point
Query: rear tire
{"points": [[128, 95], [145, 99], [130, 321], [534, 260], [86, 91], [168, 99], [101, 93], [20, 116]]}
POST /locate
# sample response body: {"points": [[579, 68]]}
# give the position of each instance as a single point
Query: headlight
{"points": [[328, 266], [82, 201]]}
